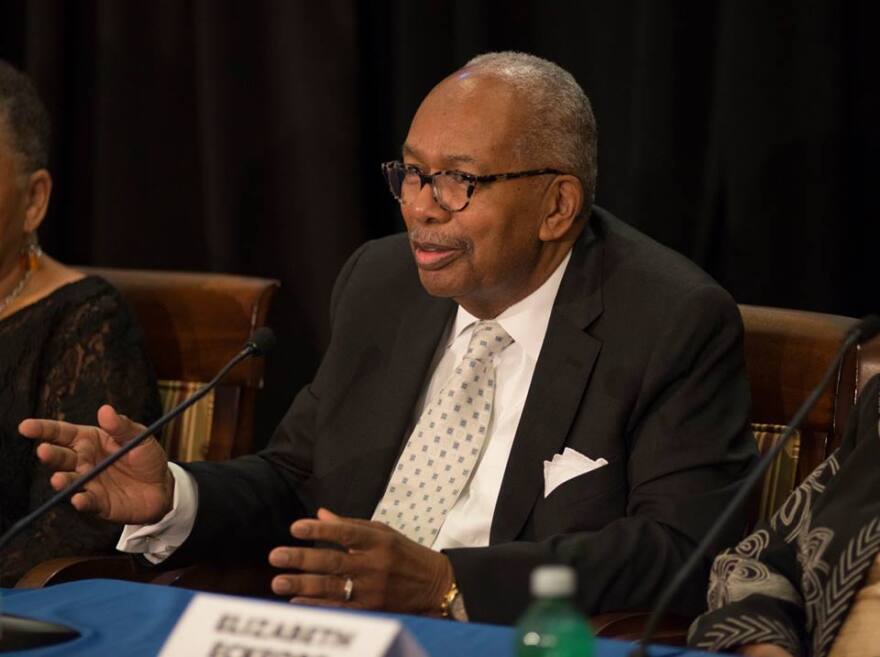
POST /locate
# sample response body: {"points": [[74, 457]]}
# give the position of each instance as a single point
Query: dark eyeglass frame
{"points": [[471, 180]]}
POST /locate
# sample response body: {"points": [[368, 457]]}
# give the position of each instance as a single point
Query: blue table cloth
{"points": [[125, 618]]}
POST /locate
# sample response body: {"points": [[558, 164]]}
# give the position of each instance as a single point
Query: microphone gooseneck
{"points": [[261, 342], [864, 330]]}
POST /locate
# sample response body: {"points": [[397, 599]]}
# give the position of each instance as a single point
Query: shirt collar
{"points": [[525, 321]]}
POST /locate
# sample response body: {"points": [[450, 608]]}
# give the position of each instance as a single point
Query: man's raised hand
{"points": [[137, 489]]}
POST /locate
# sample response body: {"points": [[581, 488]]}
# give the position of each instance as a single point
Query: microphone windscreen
{"points": [[262, 341], [868, 327]]}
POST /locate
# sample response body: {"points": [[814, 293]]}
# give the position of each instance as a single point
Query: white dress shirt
{"points": [[470, 520]]}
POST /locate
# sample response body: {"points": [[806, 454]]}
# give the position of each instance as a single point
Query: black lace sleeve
{"points": [[94, 356]]}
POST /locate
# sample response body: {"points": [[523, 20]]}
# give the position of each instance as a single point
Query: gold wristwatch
{"points": [[452, 605]]}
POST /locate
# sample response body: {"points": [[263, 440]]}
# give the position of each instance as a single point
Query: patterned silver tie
{"points": [[442, 451]]}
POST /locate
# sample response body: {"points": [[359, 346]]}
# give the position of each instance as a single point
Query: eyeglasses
{"points": [[452, 190]]}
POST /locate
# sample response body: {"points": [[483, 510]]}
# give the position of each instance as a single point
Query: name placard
{"points": [[224, 626]]}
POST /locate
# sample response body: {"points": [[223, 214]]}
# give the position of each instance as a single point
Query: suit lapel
{"points": [[412, 351], [558, 384], [414, 348]]}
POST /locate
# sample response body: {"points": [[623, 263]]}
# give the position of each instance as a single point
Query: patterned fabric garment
{"points": [[62, 357], [446, 443], [793, 581], [860, 634]]}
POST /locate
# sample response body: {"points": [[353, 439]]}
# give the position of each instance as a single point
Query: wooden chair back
{"points": [[787, 353], [193, 323]]}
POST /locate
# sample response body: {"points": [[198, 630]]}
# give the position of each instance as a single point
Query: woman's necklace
{"points": [[12, 296]]}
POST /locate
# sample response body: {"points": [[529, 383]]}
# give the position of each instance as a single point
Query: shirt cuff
{"points": [[158, 541], [457, 609]]}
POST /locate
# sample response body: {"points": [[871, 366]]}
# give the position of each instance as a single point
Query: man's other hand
{"points": [[137, 489], [388, 571]]}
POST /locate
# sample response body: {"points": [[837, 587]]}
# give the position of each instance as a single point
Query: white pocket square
{"points": [[568, 465]]}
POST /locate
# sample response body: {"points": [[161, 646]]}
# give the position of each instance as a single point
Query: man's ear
{"points": [[38, 192], [565, 198]]}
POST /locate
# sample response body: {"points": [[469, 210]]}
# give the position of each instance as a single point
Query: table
{"points": [[116, 618]]}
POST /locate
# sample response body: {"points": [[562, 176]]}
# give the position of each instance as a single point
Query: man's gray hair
{"points": [[561, 130], [23, 118]]}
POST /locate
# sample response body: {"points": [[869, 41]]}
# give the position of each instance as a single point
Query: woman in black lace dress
{"points": [[68, 344]]}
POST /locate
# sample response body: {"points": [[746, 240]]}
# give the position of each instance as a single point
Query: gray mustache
{"points": [[427, 237]]}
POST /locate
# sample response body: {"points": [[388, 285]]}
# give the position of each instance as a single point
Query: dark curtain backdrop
{"points": [[245, 137]]}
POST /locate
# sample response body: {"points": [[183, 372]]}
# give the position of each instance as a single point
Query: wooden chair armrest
{"points": [[630, 625], [234, 578], [69, 569]]}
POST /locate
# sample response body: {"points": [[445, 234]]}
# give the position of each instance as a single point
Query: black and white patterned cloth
{"points": [[792, 582]]}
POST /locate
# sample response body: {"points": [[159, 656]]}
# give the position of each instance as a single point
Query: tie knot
{"points": [[487, 340]]}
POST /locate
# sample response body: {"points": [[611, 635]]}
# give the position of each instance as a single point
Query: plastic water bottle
{"points": [[552, 626]]}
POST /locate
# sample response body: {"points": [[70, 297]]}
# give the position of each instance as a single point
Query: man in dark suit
{"points": [[606, 423]]}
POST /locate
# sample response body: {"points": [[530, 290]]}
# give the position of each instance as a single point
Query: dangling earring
{"points": [[31, 253], [30, 262]]}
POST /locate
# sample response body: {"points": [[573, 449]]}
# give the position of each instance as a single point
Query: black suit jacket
{"points": [[642, 364]]}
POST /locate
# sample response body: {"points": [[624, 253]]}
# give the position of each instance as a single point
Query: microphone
{"points": [[263, 341], [867, 328], [864, 330]]}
